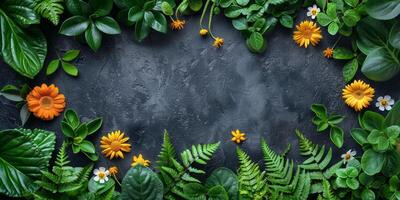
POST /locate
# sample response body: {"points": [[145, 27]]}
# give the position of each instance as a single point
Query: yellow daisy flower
{"points": [[238, 137], [358, 95], [218, 42], [114, 144], [177, 24], [307, 32], [139, 160]]}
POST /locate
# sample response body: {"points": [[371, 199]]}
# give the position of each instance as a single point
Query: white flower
{"points": [[313, 11], [349, 155], [384, 103], [101, 175]]}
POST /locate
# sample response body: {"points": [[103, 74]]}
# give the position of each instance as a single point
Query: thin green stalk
{"points": [[337, 41], [210, 20], [116, 180], [203, 13]]}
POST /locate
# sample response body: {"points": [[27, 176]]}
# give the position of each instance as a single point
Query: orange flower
{"points": [[307, 32], [177, 24], [45, 102], [114, 144], [328, 52], [113, 170], [218, 42]]}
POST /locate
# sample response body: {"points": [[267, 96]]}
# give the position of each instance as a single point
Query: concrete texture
{"points": [[179, 82]]}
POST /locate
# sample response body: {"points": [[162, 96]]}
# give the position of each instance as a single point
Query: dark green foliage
{"points": [[63, 181], [50, 9]]}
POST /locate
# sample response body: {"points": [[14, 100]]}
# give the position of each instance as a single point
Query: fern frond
{"points": [[286, 150], [50, 9], [327, 191], [318, 157], [252, 182], [84, 174], [62, 157], [167, 152]]}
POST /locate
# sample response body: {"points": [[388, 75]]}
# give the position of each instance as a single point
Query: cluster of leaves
{"points": [[65, 63], [18, 95], [90, 21], [75, 133], [324, 121], [254, 18], [23, 155]]}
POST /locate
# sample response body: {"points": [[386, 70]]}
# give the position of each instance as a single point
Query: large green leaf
{"points": [[372, 34], [156, 20], [393, 117], [394, 36], [227, 179], [383, 10], [391, 166], [372, 162], [21, 11], [23, 154], [24, 52], [140, 183], [381, 64]]}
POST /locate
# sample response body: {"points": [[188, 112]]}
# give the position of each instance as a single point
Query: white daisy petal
{"points": [[343, 156], [96, 178], [107, 172], [381, 108], [102, 181], [318, 10], [309, 8], [377, 104], [388, 107], [96, 172], [353, 153], [308, 14], [380, 98], [102, 169], [391, 102], [313, 17], [106, 178], [387, 97]]}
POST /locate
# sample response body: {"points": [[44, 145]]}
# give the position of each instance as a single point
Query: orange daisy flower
{"points": [[328, 52], [177, 24], [45, 102]]}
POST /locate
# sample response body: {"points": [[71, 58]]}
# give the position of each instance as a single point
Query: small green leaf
{"points": [[360, 136], [256, 42], [286, 21], [67, 130], [71, 117], [367, 194], [74, 26], [324, 19], [166, 8], [320, 111], [240, 24], [242, 2], [336, 136], [342, 53], [135, 14], [372, 162], [352, 183], [82, 131], [372, 120], [195, 5], [156, 20], [52, 67], [331, 10], [12, 97], [71, 55], [87, 147], [107, 25], [24, 114], [351, 17], [69, 68], [93, 37], [94, 125], [335, 119], [333, 28], [349, 70]]}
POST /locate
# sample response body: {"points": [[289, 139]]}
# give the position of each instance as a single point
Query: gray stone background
{"points": [[179, 82]]}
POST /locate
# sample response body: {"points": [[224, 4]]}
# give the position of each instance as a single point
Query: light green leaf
{"points": [[350, 70], [372, 162], [71, 55], [336, 136], [52, 67], [69, 68]]}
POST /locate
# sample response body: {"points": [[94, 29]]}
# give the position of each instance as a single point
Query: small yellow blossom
{"points": [[113, 170], [139, 160], [203, 32], [238, 137], [218, 42], [328, 52]]}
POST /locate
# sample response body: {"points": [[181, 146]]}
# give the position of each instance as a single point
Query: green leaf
{"points": [[107, 25], [50, 9], [335, 119], [71, 55], [336, 136], [194, 190], [342, 53], [352, 3], [77, 7], [93, 37], [140, 183], [226, 178], [381, 64], [217, 193], [74, 26], [367, 194], [333, 28], [341, 182], [372, 162], [372, 34], [23, 154], [195, 5], [256, 42], [24, 51], [12, 97], [101, 7], [67, 130], [233, 11], [94, 125], [394, 36], [242, 2], [341, 173], [393, 117], [383, 10], [87, 147], [100, 188], [240, 24], [331, 10], [166, 8], [142, 30], [156, 20], [225, 3], [323, 19], [372, 120], [286, 21], [52, 67], [135, 14], [21, 11], [351, 17], [81, 131], [319, 110], [69, 68], [349, 70], [352, 183], [359, 135], [391, 166], [24, 114], [71, 117]]}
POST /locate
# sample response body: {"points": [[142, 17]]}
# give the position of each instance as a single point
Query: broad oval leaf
{"points": [[24, 52], [336, 136], [156, 20], [359, 135], [383, 10], [381, 64], [94, 125], [141, 183], [350, 70], [108, 25], [23, 154], [372, 34], [93, 37], [394, 36], [372, 162], [74, 26], [21, 11], [227, 179]]}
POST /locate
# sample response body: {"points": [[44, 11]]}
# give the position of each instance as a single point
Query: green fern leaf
{"points": [[50, 9], [62, 157], [327, 191], [252, 182], [167, 152]]}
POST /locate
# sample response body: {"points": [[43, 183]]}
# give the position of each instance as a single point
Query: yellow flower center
{"points": [[384, 102], [314, 12], [46, 102], [102, 175], [347, 156], [359, 94], [115, 145]]}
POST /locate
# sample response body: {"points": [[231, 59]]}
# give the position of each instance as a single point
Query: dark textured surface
{"points": [[179, 82]]}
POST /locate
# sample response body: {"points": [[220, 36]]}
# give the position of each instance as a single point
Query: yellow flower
{"points": [[203, 32], [45, 102], [238, 137], [358, 95], [139, 160], [177, 24], [307, 32], [218, 42], [113, 170], [328, 52], [114, 144]]}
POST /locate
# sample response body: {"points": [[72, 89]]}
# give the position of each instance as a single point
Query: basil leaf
{"points": [[93, 37], [74, 26], [24, 52]]}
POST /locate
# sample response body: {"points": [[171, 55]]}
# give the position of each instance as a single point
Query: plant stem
{"points": [[116, 180], [203, 13], [337, 41], [210, 20]]}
